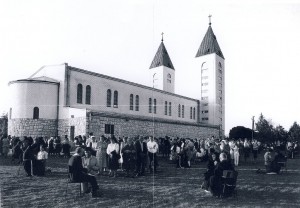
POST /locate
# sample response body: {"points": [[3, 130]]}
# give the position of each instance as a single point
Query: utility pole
{"points": [[252, 127]]}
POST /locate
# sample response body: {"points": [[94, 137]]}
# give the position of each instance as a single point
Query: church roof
{"points": [[209, 44], [162, 58], [44, 78]]}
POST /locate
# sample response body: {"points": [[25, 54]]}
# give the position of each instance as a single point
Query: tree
{"points": [[294, 132], [280, 133], [265, 129], [240, 132]]}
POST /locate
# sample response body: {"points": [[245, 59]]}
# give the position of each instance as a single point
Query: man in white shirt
{"points": [[152, 147]]}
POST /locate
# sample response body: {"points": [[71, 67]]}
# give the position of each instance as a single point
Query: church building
{"points": [[65, 100]]}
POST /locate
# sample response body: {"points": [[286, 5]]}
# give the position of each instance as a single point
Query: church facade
{"points": [[65, 100]]}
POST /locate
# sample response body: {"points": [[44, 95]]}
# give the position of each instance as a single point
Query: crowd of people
{"points": [[135, 156]]}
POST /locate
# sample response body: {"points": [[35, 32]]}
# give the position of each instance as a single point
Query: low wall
{"points": [[32, 127], [134, 127]]}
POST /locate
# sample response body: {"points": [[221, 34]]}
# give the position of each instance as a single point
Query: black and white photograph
{"points": [[149, 104]]}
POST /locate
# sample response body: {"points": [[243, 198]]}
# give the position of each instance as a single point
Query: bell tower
{"points": [[211, 62], [162, 69]]}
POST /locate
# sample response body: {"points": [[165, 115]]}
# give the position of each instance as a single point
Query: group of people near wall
{"points": [[185, 150], [107, 154]]}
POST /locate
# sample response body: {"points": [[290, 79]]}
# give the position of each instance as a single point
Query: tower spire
{"points": [[209, 17]]}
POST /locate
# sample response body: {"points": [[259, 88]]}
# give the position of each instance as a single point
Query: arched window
{"points": [[36, 113], [79, 93], [108, 98], [220, 67], [137, 103], [170, 109], [182, 111], [194, 113], [204, 66], [179, 110], [166, 108], [191, 113], [154, 106], [88, 95], [115, 99], [131, 102], [150, 105]]}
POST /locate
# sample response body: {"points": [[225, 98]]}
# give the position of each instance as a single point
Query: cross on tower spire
{"points": [[209, 17], [162, 37]]}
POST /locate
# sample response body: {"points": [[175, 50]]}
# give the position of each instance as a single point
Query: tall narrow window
{"points": [[170, 109], [131, 102], [88, 95], [79, 93], [150, 105], [36, 113], [191, 113], [182, 111], [166, 108], [10, 113], [137, 103], [194, 113], [169, 80], [179, 110], [115, 99], [108, 98], [154, 101]]}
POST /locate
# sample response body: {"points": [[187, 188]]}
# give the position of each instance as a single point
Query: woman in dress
{"points": [[113, 156], [101, 154]]}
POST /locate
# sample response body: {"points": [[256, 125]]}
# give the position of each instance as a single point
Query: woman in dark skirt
{"points": [[113, 156]]}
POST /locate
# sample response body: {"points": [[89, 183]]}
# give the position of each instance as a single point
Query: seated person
{"points": [[216, 180], [90, 163], [275, 164], [268, 160], [40, 163], [79, 174], [212, 162]]}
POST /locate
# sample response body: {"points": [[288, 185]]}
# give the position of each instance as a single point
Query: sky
{"points": [[119, 38]]}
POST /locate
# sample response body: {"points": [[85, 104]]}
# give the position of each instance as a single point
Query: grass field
{"points": [[171, 187]]}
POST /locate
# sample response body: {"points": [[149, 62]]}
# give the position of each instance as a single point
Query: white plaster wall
{"points": [[169, 87], [212, 61], [157, 77], [24, 96], [99, 86]]}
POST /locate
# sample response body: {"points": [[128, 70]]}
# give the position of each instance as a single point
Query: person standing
{"points": [[152, 148], [236, 154], [101, 154], [5, 146], [141, 151], [27, 157], [255, 150], [129, 157], [113, 156]]}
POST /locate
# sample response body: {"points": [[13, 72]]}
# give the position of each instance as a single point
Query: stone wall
{"points": [[32, 127], [96, 124], [134, 127], [80, 124]]}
